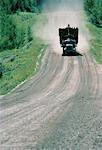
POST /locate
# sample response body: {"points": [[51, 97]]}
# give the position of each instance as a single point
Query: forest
{"points": [[94, 11], [13, 33]]}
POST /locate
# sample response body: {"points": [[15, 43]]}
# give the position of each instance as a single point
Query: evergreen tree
{"points": [[13, 31], [94, 10]]}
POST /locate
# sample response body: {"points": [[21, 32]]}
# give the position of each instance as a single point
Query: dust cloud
{"points": [[60, 13]]}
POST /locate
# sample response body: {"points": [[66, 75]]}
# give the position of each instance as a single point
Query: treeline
{"points": [[15, 23], [94, 11], [11, 6]]}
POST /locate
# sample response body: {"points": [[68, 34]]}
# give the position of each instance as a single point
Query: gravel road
{"points": [[60, 108]]}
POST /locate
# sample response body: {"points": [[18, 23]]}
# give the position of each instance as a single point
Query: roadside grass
{"points": [[24, 63], [96, 42]]}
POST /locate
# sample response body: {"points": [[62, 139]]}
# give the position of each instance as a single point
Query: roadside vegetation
{"points": [[96, 42], [19, 46], [94, 12]]}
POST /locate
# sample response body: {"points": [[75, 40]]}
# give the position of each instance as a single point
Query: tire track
{"points": [[22, 114], [83, 118]]}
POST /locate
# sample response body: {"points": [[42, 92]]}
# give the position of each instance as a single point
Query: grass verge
{"points": [[96, 42], [24, 63]]}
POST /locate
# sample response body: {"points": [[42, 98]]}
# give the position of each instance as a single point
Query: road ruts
{"points": [[22, 118], [81, 127], [63, 114]]}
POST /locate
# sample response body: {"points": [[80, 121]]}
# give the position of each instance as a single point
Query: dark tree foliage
{"points": [[11, 6], [94, 11], [89, 4], [15, 29]]}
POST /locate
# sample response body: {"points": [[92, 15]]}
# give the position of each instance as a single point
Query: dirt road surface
{"points": [[60, 108]]}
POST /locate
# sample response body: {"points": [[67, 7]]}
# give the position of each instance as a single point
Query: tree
{"points": [[13, 32], [94, 10]]}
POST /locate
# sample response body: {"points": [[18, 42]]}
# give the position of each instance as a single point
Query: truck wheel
{"points": [[1, 74]]}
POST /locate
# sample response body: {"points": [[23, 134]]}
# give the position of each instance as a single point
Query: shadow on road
{"points": [[72, 54]]}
